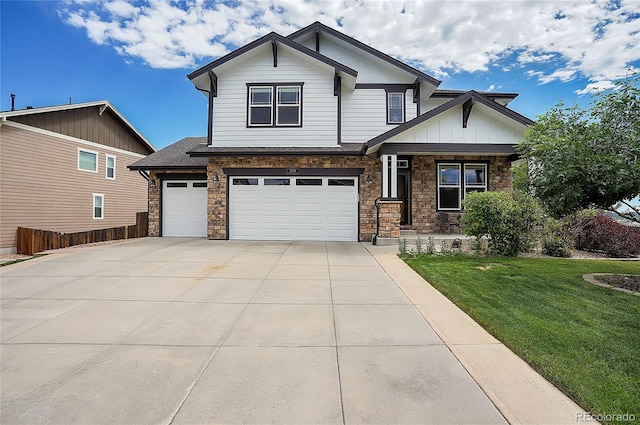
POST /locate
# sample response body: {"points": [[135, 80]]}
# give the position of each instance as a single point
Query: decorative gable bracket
{"points": [[274, 48], [466, 111]]}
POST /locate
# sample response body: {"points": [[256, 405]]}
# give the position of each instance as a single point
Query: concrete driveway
{"points": [[189, 331]]}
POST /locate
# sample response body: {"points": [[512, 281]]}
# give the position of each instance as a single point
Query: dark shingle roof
{"points": [[174, 156]]}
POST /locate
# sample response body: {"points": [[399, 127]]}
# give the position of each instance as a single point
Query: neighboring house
{"points": [[64, 168], [317, 136]]}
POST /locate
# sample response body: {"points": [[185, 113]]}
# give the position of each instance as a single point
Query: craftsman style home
{"points": [[317, 136], [64, 168]]}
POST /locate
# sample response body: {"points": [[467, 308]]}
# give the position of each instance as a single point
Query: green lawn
{"points": [[583, 338]]}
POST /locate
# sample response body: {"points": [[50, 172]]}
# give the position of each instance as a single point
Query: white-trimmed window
{"points": [[288, 106], [87, 160], [449, 187], [475, 178], [98, 206], [111, 167], [260, 106], [453, 185], [273, 105], [395, 108]]}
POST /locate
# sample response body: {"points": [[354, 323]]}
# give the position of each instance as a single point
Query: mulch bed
{"points": [[629, 282]]}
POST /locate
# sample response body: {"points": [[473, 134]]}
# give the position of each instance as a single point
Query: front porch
{"points": [[423, 194]]}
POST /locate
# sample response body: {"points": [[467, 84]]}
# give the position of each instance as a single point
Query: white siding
{"points": [[432, 103], [319, 105], [364, 113], [447, 127], [370, 69]]}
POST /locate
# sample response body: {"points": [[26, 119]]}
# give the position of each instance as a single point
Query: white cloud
{"points": [[552, 40]]}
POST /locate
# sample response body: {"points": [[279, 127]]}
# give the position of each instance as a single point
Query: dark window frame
{"points": [[403, 94], [274, 105], [462, 186]]}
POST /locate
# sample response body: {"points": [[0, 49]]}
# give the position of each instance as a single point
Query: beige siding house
{"points": [[64, 169]]}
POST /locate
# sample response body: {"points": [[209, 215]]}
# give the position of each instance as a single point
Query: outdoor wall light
{"points": [[216, 177], [369, 179]]}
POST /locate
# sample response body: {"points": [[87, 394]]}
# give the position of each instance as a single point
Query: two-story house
{"points": [[317, 136], [64, 168]]}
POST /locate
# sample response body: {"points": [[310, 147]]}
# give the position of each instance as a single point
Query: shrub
{"points": [[603, 234], [508, 221], [556, 238]]}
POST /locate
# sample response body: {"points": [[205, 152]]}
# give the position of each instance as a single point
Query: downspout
{"points": [[144, 174], [374, 241]]}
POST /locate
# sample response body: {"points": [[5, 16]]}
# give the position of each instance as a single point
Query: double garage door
{"points": [[268, 208]]}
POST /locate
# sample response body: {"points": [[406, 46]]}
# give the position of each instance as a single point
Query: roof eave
{"points": [[375, 52], [272, 37]]}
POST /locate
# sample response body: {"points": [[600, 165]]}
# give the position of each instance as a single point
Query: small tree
{"points": [[508, 221], [581, 158]]}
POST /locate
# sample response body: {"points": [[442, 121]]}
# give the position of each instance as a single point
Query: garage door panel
{"points": [[308, 208], [184, 208]]}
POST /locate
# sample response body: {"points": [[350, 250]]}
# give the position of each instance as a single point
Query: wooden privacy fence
{"points": [[31, 241]]}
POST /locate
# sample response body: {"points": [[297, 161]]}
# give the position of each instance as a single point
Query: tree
{"points": [[582, 158]]}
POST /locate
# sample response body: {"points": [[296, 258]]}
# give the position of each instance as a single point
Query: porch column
{"points": [[389, 182], [385, 176], [394, 176]]}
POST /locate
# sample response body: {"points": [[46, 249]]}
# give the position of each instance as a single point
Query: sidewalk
{"points": [[521, 394]]}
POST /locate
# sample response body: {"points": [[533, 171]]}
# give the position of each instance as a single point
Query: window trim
{"points": [[274, 104], [106, 166], [94, 196], [462, 186], [97, 155], [250, 106], [402, 94]]}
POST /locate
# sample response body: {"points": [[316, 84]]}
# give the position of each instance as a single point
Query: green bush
{"points": [[507, 221], [556, 238]]}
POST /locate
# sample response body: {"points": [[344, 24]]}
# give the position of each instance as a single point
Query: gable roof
{"points": [[174, 156], [273, 38], [319, 27], [471, 95], [103, 104]]}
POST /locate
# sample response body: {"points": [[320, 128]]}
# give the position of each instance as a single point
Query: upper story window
{"points": [[87, 160], [455, 180], [111, 167], [275, 105], [395, 107]]}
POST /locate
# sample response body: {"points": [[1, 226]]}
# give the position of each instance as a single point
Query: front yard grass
{"points": [[583, 338]]}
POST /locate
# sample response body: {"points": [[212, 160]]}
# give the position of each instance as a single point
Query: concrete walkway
{"points": [[186, 331]]}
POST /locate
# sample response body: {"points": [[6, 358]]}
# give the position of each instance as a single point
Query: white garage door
{"points": [[293, 208], [184, 208]]}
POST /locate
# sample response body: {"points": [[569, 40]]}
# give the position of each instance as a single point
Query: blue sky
{"points": [[136, 54]]}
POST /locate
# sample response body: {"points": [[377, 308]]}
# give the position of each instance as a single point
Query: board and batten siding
{"points": [[319, 105], [364, 113], [447, 127], [41, 186], [88, 124]]}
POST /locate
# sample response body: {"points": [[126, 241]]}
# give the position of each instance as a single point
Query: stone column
{"points": [[389, 219]]}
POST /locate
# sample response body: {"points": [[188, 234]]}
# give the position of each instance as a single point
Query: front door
{"points": [[403, 195]]}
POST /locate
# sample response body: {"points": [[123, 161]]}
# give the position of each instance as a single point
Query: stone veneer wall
{"points": [[389, 219], [424, 187], [217, 204], [155, 185]]}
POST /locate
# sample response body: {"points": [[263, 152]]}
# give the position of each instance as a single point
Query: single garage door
{"points": [[293, 208], [184, 208]]}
